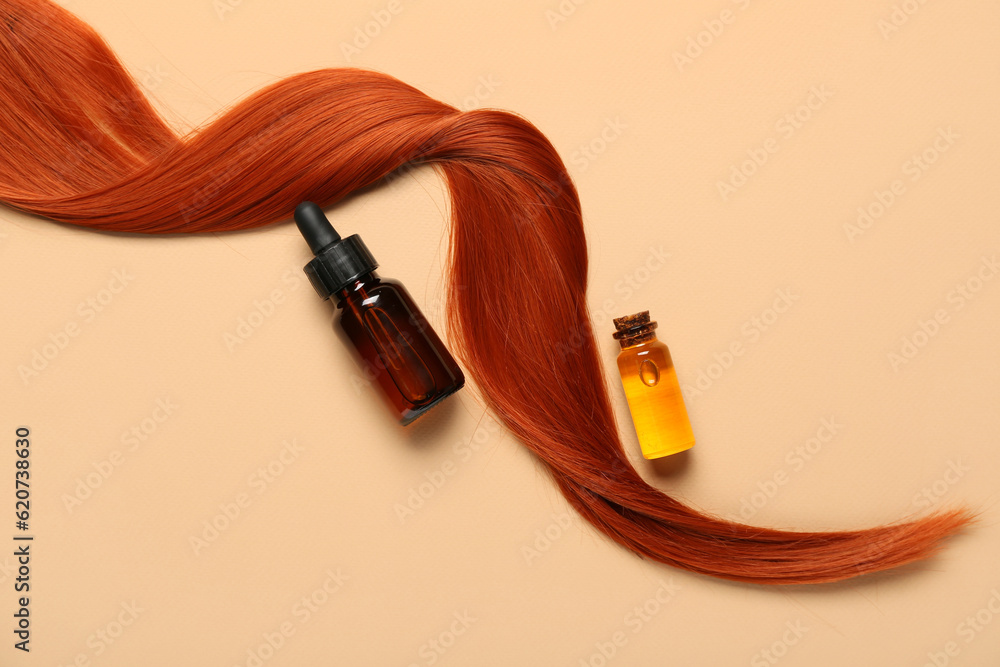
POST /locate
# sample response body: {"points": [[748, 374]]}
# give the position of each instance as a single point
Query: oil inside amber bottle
{"points": [[651, 387], [397, 347]]}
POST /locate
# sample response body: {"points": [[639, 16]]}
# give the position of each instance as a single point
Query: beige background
{"points": [[647, 141]]}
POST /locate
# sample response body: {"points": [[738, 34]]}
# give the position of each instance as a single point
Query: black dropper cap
{"points": [[339, 262]]}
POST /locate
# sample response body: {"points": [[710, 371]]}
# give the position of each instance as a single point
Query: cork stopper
{"points": [[634, 329]]}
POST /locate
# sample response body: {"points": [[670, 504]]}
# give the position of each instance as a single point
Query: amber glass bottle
{"points": [[651, 387], [398, 348]]}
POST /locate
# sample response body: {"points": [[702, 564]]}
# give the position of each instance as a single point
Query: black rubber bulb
{"points": [[314, 226]]}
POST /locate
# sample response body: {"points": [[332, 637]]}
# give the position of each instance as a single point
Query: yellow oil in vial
{"points": [[651, 388]]}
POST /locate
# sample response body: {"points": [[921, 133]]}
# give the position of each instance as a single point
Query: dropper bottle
{"points": [[651, 387], [398, 349]]}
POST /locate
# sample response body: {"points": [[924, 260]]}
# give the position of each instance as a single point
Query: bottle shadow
{"points": [[668, 467], [425, 430]]}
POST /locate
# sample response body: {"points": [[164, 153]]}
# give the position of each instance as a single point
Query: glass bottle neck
{"points": [[357, 288], [634, 341]]}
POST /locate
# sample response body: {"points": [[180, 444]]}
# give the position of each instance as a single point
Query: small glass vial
{"points": [[651, 387], [398, 348]]}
